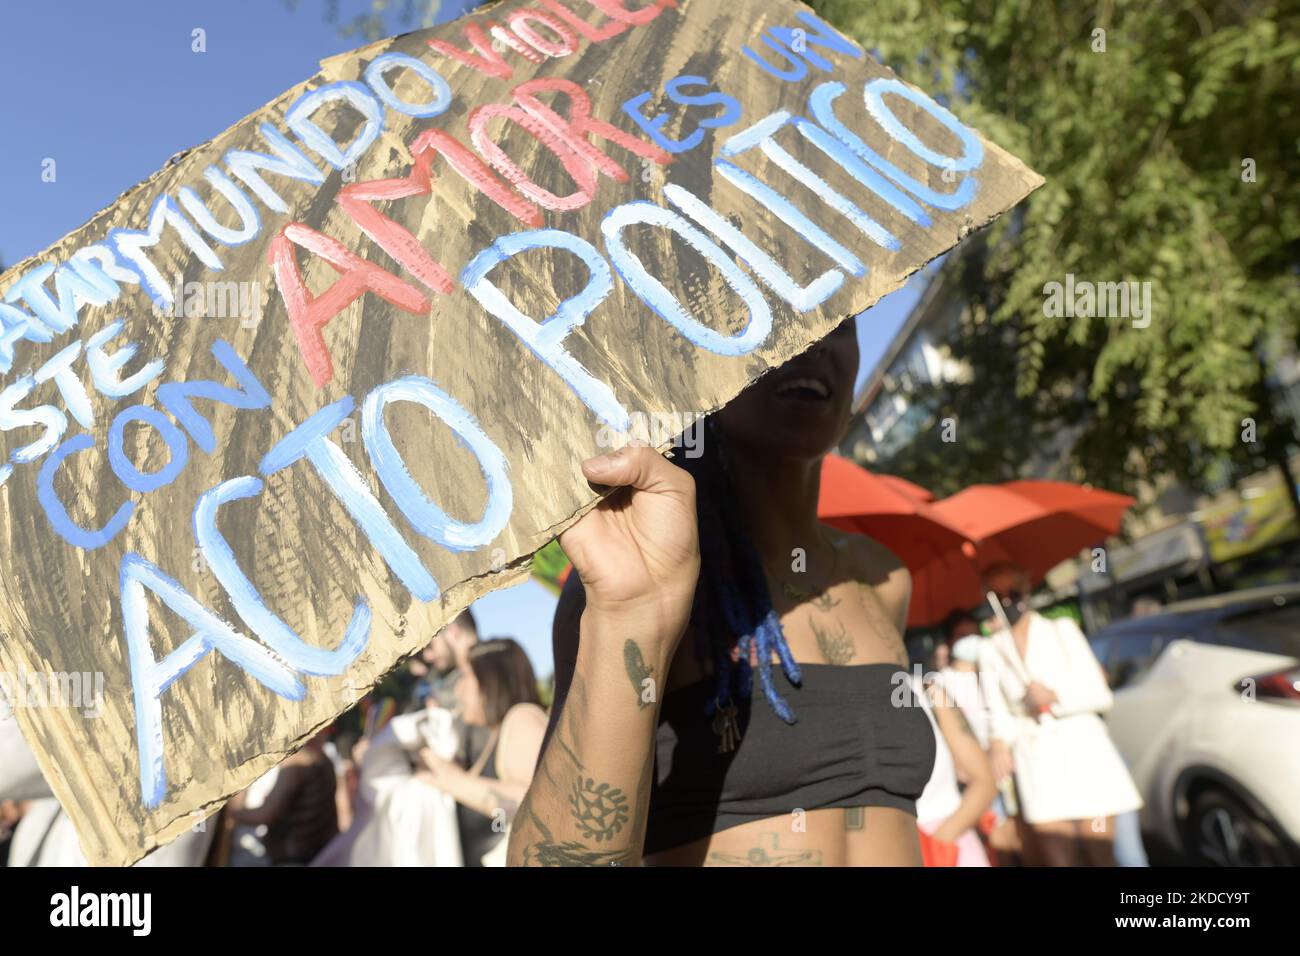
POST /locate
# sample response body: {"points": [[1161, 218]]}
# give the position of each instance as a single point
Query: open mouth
{"points": [[804, 389]]}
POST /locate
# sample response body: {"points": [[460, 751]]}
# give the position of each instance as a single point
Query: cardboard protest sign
{"points": [[280, 411]]}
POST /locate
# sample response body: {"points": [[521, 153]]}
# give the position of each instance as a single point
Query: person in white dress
{"points": [[399, 821], [960, 680], [1045, 691]]}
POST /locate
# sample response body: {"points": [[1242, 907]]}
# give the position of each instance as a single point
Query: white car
{"points": [[1207, 715]]}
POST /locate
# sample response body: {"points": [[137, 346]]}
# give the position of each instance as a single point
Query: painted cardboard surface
{"points": [[461, 264]]}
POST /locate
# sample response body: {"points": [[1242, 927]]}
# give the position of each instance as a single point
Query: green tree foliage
{"points": [[1143, 146], [382, 18]]}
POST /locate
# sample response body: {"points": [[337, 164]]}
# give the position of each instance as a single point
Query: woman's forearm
{"points": [[589, 797], [485, 795], [975, 799]]}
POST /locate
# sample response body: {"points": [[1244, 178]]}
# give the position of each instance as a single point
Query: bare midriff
{"points": [[858, 836]]}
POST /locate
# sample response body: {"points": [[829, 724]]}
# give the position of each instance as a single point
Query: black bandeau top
{"points": [[860, 739]]}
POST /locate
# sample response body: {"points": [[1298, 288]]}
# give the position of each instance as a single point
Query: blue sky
{"points": [[111, 89]]}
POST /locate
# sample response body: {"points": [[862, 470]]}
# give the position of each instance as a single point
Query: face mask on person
{"points": [[1014, 606]]}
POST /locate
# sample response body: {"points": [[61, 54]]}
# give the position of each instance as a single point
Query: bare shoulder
{"points": [[524, 718], [869, 562], [522, 731]]}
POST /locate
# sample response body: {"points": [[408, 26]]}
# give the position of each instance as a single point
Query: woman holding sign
{"points": [[730, 676]]}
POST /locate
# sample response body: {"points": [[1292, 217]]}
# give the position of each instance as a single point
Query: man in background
{"points": [[388, 813], [440, 664]]}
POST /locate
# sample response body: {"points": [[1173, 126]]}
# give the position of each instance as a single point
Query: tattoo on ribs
{"points": [[638, 671], [875, 612]]}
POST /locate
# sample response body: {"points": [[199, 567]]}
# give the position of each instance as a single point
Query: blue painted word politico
{"points": [[276, 656]]}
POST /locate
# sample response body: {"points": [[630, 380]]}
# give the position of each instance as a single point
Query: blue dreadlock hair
{"points": [[733, 608]]}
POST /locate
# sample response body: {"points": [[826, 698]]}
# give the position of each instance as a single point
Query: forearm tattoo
{"points": [[548, 852], [638, 672], [577, 700], [601, 810]]}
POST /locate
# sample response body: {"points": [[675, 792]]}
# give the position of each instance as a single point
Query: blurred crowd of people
{"points": [[429, 769], [426, 771], [1052, 787]]}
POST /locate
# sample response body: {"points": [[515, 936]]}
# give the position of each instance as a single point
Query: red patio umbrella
{"points": [[908, 488], [895, 513], [898, 514], [1034, 524]]}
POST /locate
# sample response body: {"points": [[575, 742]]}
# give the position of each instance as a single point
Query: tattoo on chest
{"points": [[838, 648], [601, 810], [638, 672], [768, 853], [834, 643], [880, 621], [821, 601]]}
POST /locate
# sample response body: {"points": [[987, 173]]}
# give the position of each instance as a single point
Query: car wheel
{"points": [[1221, 830]]}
